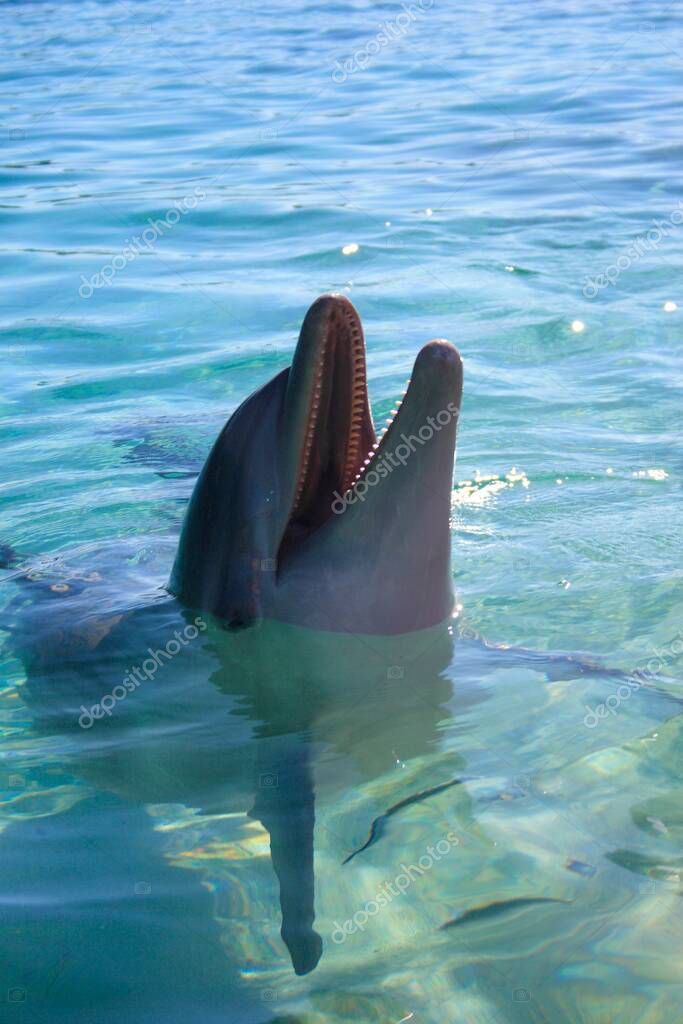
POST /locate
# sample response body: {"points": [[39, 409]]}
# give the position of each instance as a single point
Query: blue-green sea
{"points": [[178, 182]]}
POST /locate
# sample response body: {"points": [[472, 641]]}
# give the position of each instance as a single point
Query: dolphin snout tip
{"points": [[443, 351], [440, 359], [328, 302]]}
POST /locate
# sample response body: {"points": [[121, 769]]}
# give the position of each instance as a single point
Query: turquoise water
{"points": [[508, 177]]}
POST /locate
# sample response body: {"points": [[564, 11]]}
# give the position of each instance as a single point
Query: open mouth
{"points": [[330, 440]]}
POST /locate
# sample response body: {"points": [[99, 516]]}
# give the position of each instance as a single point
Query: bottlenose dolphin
{"points": [[332, 545], [301, 514]]}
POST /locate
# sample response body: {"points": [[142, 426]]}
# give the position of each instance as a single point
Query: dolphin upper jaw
{"points": [[303, 514], [326, 428]]}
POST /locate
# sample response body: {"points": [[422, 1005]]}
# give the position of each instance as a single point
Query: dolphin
{"points": [[317, 555], [332, 545], [302, 514], [301, 517]]}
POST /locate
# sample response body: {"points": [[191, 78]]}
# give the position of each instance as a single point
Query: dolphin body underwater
{"points": [[314, 558]]}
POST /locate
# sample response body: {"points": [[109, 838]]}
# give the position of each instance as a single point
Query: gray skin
{"points": [[381, 565]]}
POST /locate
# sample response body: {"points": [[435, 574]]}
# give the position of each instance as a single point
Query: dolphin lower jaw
{"points": [[430, 405], [380, 563]]}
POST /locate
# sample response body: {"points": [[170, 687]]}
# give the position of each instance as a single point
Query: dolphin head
{"points": [[304, 515]]}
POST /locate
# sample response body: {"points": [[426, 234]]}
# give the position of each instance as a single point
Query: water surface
{"points": [[508, 177]]}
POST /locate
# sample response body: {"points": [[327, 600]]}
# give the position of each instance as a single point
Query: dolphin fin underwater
{"points": [[285, 806]]}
